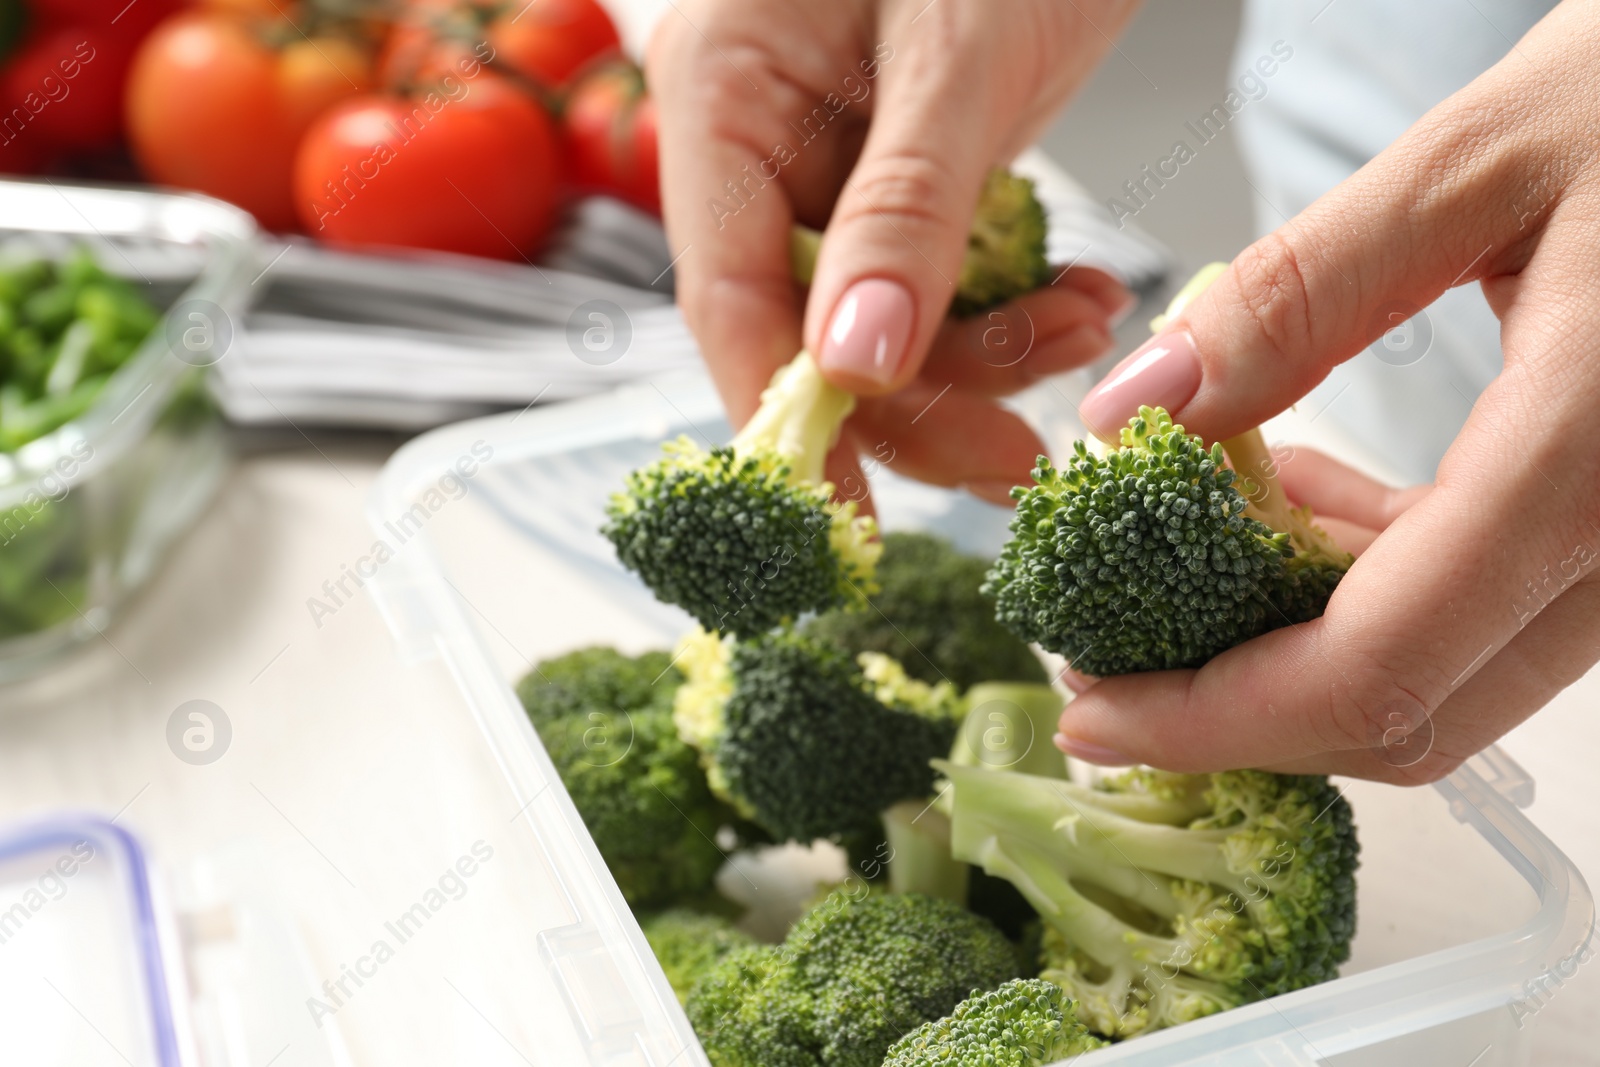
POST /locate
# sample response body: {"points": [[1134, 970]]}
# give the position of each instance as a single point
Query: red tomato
{"points": [[474, 173], [610, 127], [427, 40], [67, 80], [211, 107], [23, 155], [128, 21], [420, 55], [552, 40]]}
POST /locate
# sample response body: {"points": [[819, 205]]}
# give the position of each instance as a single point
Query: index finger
{"points": [[727, 222]]}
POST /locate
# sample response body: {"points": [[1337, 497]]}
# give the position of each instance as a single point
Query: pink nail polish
{"points": [[1091, 753], [867, 335], [1162, 372]]}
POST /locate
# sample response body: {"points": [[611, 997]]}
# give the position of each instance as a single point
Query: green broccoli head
{"points": [[802, 739], [929, 614], [1024, 1023], [1006, 254], [687, 943], [597, 677], [853, 975], [1145, 558], [639, 789], [1006, 246], [1168, 897], [747, 537], [643, 796], [747, 1012]]}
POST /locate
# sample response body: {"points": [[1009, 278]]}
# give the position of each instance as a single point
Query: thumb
{"points": [[893, 248]]}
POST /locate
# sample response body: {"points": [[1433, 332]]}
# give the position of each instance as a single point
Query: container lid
{"points": [[86, 969]]}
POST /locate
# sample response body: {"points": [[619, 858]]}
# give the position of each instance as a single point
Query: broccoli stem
{"points": [[1037, 873], [1008, 727], [919, 853], [804, 246], [1258, 470], [799, 419], [1083, 830], [1058, 842], [1192, 288], [1144, 807], [1253, 462], [1069, 822]]}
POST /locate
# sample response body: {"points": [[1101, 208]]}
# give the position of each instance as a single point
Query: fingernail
{"points": [[866, 338], [1162, 372], [1091, 753]]}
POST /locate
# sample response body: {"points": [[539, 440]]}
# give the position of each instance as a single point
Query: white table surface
{"points": [[340, 785]]}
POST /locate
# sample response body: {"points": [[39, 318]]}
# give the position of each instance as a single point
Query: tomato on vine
{"points": [[218, 101]]}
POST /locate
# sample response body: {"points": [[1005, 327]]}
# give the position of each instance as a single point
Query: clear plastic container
{"points": [[87, 512], [490, 531]]}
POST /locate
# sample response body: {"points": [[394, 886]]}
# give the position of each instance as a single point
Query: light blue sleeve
{"points": [[1359, 73]]}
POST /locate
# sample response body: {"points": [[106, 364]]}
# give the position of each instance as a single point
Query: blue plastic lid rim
{"points": [[70, 829]]}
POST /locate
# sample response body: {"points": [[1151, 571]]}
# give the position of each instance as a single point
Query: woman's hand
{"points": [[881, 120], [1476, 603]]}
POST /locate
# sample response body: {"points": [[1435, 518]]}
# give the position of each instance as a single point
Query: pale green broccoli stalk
{"points": [[1009, 726], [930, 614], [1024, 1023], [1318, 563], [746, 537], [1006, 253], [688, 943], [806, 741], [854, 974], [1169, 897], [918, 836]]}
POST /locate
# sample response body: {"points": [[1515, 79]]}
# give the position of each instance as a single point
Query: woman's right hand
{"points": [[880, 120]]}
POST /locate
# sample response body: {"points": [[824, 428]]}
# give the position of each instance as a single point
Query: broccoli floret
{"points": [[746, 537], [928, 613], [1156, 555], [740, 1011], [1169, 897], [640, 790], [688, 943], [1006, 254], [1024, 1023], [806, 741], [1147, 558], [1006, 248], [853, 975], [597, 677]]}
